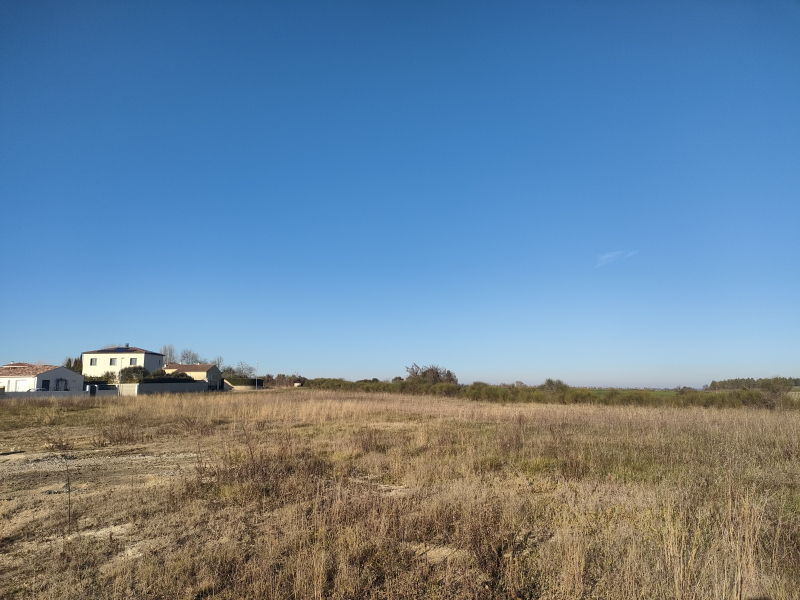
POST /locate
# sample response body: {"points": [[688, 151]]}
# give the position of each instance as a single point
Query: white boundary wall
{"points": [[138, 389], [45, 394]]}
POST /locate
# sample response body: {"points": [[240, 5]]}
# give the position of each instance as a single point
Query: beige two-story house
{"points": [[97, 362], [198, 372]]}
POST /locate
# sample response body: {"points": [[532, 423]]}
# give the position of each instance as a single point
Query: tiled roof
{"points": [[188, 368], [24, 370], [122, 350]]}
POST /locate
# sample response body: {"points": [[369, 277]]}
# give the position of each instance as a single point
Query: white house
{"points": [[98, 362], [25, 377]]}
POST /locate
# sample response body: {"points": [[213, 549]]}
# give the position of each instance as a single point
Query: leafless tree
{"points": [[431, 374], [189, 357], [244, 370], [170, 356]]}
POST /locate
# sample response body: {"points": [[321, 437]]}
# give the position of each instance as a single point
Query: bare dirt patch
{"points": [[40, 507]]}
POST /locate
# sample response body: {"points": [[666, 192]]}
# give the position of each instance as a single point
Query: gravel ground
{"points": [[38, 462]]}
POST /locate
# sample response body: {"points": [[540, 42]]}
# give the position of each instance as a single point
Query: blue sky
{"points": [[606, 193]]}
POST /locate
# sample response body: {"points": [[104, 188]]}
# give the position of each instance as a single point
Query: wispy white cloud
{"points": [[608, 257]]}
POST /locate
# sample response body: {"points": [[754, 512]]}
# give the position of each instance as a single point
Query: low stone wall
{"points": [[228, 387]]}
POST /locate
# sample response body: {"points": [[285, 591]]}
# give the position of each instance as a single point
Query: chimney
{"points": [[126, 345]]}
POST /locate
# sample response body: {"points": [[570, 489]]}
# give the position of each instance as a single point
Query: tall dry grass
{"points": [[323, 494]]}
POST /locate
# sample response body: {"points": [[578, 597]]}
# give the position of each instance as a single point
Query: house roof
{"points": [[24, 370], [189, 368], [123, 350]]}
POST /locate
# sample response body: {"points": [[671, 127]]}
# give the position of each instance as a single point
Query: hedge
{"points": [[166, 380], [245, 381]]}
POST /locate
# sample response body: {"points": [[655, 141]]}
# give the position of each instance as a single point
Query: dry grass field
{"points": [[320, 494]]}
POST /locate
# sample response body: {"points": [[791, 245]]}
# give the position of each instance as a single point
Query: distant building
{"points": [[97, 362], [25, 377], [208, 373]]}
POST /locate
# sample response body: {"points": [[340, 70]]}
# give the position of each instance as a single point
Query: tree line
{"points": [[188, 356], [434, 380], [749, 383]]}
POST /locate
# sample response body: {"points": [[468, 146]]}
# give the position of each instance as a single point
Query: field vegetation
{"points": [[771, 394], [749, 383], [315, 493]]}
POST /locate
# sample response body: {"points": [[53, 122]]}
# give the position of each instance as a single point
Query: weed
{"points": [[318, 493], [193, 425], [54, 438], [120, 429], [369, 439]]}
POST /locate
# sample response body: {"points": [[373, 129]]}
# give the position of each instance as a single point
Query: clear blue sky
{"points": [[606, 193]]}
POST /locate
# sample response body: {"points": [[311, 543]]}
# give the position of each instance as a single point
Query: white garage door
{"points": [[23, 385]]}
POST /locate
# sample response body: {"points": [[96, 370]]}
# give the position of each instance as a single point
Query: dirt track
{"points": [[39, 507]]}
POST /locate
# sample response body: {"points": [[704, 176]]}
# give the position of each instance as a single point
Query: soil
{"points": [[48, 497]]}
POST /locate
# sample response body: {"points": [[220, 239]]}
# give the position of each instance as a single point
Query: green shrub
{"points": [[578, 396], [161, 376], [133, 374], [107, 377]]}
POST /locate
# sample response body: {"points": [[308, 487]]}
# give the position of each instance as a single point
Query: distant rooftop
{"points": [[198, 368], [24, 369], [123, 349]]}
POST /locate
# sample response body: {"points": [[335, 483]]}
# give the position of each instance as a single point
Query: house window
{"points": [[92, 362], [112, 362], [133, 361]]}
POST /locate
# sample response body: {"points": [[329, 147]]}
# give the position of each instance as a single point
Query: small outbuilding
{"points": [[25, 377]]}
